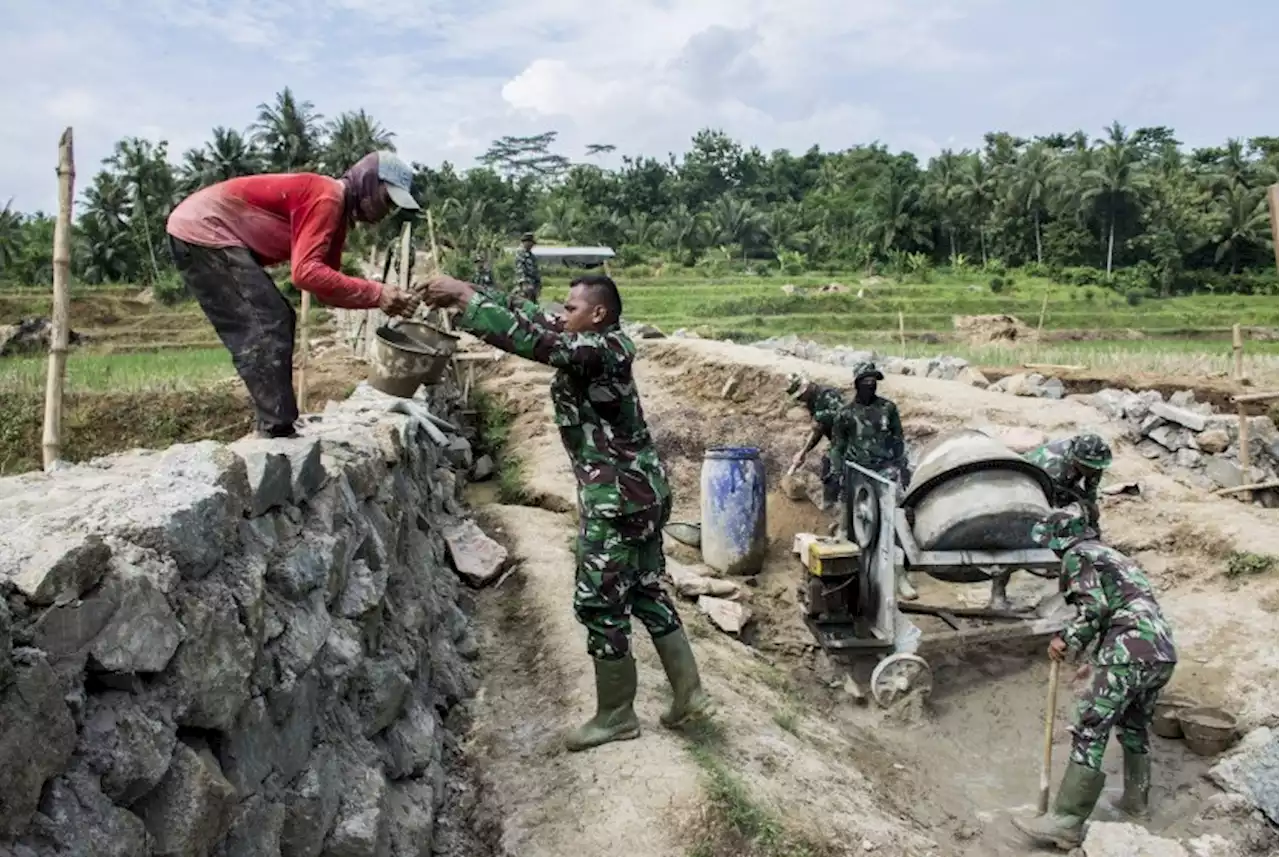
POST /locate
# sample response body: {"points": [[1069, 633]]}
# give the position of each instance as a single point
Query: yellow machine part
{"points": [[832, 558]]}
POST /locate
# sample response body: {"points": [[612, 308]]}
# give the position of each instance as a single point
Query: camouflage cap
{"points": [[1090, 450], [796, 385], [866, 370], [1062, 528]]}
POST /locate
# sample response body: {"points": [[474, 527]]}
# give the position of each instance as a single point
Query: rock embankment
{"points": [[238, 650]]}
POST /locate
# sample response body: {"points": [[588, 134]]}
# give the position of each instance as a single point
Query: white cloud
{"points": [[450, 76]]}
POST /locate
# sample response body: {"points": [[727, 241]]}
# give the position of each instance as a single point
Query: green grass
{"points": [[140, 371], [1241, 564]]}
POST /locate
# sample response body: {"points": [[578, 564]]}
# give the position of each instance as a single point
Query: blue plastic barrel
{"points": [[734, 531]]}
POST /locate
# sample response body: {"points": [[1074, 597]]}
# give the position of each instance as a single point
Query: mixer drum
{"points": [[970, 492]]}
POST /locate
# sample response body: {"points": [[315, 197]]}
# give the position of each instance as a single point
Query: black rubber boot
{"points": [[615, 718], [1137, 786], [1063, 826], [690, 701]]}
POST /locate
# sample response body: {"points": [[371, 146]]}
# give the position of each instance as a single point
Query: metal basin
{"points": [[970, 492], [400, 364]]}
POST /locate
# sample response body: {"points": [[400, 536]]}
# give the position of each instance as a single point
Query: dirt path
{"points": [[941, 781]]}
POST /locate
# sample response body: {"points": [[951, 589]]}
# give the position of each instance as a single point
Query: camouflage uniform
{"points": [[1133, 655], [623, 494], [1133, 651], [1055, 458], [870, 435], [484, 279], [528, 279], [824, 405]]}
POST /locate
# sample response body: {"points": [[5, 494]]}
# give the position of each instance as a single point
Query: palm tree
{"points": [[895, 201], [1031, 185], [289, 132], [1245, 223], [1115, 180], [231, 155], [10, 235], [353, 135], [732, 221], [978, 194], [942, 192], [145, 172]]}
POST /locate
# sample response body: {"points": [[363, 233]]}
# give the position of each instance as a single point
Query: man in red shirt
{"points": [[224, 236]]}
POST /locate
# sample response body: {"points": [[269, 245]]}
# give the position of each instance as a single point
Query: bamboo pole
{"points": [[1273, 204], [435, 260], [1257, 397], [1256, 486], [1044, 305], [406, 249], [58, 341], [1237, 353], [1243, 415], [902, 333], [306, 351]]}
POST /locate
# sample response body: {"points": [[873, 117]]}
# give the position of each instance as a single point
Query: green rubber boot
{"points": [[1063, 826], [615, 718], [689, 701], [1137, 786]]}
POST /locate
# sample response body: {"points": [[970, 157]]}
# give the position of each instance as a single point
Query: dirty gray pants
{"points": [[253, 320]]}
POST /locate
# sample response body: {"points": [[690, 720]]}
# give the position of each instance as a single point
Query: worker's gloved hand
{"points": [[396, 301]]}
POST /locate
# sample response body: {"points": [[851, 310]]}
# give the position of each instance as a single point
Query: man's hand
{"points": [[396, 301], [1057, 649], [443, 291]]}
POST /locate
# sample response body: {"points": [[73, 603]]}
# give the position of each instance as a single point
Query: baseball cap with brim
{"points": [[398, 178]]}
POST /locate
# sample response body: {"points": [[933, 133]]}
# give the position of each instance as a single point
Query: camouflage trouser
{"points": [[528, 291], [620, 568], [832, 482], [1123, 696]]}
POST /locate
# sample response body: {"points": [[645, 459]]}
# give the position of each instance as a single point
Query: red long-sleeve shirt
{"points": [[295, 217]]}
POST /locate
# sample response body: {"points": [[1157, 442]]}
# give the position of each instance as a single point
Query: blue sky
{"points": [[644, 75]]}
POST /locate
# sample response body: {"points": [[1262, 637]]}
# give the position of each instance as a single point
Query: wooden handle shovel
{"points": [[1051, 708]]}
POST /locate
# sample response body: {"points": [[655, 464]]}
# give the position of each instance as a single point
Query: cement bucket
{"points": [[970, 492], [400, 364], [431, 335]]}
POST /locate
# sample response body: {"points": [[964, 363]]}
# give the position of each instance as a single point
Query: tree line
{"points": [[1133, 207]]}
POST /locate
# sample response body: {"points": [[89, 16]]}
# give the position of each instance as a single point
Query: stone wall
{"points": [[234, 650]]}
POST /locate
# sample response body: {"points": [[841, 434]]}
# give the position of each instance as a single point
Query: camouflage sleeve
{"points": [[897, 446], [517, 302], [1083, 589], [513, 331]]}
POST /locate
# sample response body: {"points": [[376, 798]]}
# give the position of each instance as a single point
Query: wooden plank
{"points": [[1237, 353], [1240, 489], [58, 340], [1061, 367], [1256, 397]]}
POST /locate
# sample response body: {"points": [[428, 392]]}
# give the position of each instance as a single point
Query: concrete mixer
{"points": [[966, 517]]}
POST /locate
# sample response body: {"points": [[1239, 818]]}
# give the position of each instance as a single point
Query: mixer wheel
{"points": [[897, 675], [866, 516]]}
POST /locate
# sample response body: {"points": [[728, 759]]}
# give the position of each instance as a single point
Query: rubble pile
{"points": [[235, 650]]}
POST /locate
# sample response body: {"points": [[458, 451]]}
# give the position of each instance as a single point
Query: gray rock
{"points": [[211, 668], [249, 748], [1051, 388], [306, 466], [341, 655], [269, 472], [65, 631], [411, 817], [311, 806], [1169, 437], [306, 629], [413, 742], [1149, 424], [80, 819], [6, 644], [304, 569], [1188, 458], [210, 463], [1181, 416], [482, 469], [362, 827], [1251, 770], [1213, 441], [459, 452], [191, 809], [478, 558], [364, 591], [143, 633], [1223, 473], [1110, 402], [1107, 839], [297, 710], [973, 378], [379, 690], [255, 830], [1136, 405], [62, 565], [37, 736], [127, 746]]}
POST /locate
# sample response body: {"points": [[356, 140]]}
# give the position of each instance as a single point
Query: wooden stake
{"points": [[1044, 305], [1050, 709], [435, 260], [1244, 440], [306, 351], [1256, 486], [1237, 353], [1257, 397], [405, 250], [58, 341], [1273, 203], [902, 333]]}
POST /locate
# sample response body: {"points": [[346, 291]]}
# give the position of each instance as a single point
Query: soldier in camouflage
{"points": [[484, 277], [824, 405], [868, 430], [528, 279], [1133, 658], [1075, 465], [623, 495]]}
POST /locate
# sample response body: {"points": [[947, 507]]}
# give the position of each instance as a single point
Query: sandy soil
{"points": [[943, 779]]}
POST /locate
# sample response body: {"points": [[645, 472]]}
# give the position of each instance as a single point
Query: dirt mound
{"points": [[987, 329], [31, 336]]}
